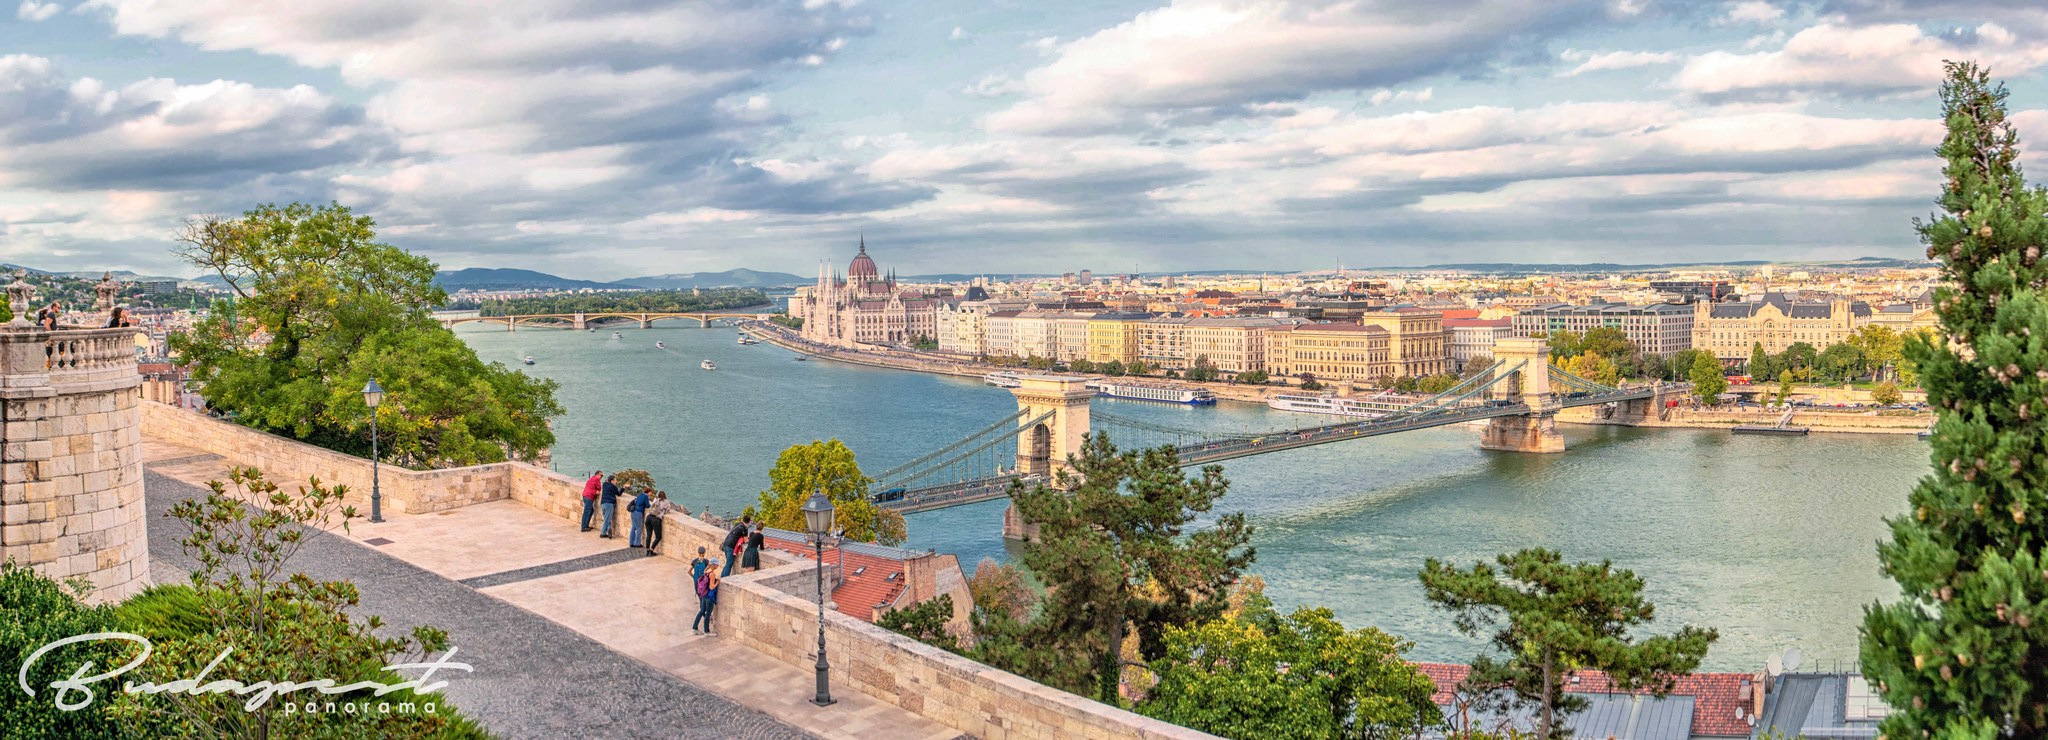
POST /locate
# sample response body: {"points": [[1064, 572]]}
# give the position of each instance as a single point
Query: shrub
{"points": [[36, 611]]}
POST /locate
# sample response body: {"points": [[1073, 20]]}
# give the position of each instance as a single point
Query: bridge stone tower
{"points": [[1537, 430], [1043, 448], [71, 457]]}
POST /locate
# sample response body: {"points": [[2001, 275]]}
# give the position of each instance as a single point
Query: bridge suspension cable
{"points": [[970, 464], [1009, 422], [1566, 377]]}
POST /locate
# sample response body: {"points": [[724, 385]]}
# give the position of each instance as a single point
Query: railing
{"points": [[67, 351]]}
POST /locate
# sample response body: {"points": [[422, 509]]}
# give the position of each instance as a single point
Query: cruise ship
{"points": [[1370, 407], [1002, 379], [1152, 392]]}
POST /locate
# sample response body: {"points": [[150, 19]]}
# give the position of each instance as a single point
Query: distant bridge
{"points": [[581, 320], [1053, 420]]}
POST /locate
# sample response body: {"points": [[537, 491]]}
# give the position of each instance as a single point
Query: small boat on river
{"points": [[529, 359], [707, 364], [661, 345]]}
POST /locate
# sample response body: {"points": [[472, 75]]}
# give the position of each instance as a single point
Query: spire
{"points": [[863, 241]]}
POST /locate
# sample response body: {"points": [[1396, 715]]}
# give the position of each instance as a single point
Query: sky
{"points": [[604, 139]]}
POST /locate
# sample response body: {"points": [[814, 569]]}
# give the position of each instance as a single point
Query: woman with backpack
{"points": [[707, 600]]}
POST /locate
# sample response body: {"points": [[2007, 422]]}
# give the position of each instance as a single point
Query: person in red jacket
{"points": [[590, 488]]}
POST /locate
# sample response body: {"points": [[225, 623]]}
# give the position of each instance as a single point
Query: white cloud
{"points": [[1385, 96], [1830, 59], [958, 34], [993, 86], [1752, 11], [1592, 62], [1206, 54], [33, 11]]}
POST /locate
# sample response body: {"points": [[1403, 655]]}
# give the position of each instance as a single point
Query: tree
{"points": [[1784, 387], [1549, 617], [1303, 675], [1758, 361], [1138, 367], [1406, 384], [1114, 535], [330, 308], [1564, 343], [1203, 371], [40, 611], [1653, 367], [1082, 366], [1439, 383], [1880, 346], [1886, 393], [1112, 368], [1707, 381], [1682, 362], [1840, 362], [1251, 377], [924, 621], [1594, 367], [1909, 369], [1309, 382], [1477, 365], [1606, 341], [802, 470], [1962, 655]]}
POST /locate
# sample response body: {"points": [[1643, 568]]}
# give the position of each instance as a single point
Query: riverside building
{"points": [[863, 308], [1655, 329]]}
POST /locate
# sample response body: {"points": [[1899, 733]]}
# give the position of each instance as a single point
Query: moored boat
{"points": [[1369, 407], [1003, 379], [1161, 392]]}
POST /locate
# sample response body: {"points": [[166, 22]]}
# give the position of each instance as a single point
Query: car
{"points": [[892, 494]]}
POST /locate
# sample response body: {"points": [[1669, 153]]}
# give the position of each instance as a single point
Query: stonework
{"points": [[70, 458]]}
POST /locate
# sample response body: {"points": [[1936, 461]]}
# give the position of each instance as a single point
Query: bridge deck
{"points": [[947, 495]]}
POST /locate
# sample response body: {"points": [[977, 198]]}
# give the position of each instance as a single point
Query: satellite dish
{"points": [[1774, 665], [1792, 657]]}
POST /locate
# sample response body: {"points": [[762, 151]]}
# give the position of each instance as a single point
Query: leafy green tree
{"points": [[39, 611], [1909, 368], [802, 470], [1549, 617], [1303, 675], [1564, 343], [1965, 653], [1707, 381], [924, 621], [1476, 365], [329, 308], [1112, 368], [1082, 366], [1881, 347], [1114, 535], [1784, 387], [1800, 359], [1886, 393], [1406, 384], [1594, 367], [1682, 362], [1139, 367], [1759, 361], [627, 301], [1204, 370], [1038, 363], [1606, 341], [1439, 383], [1309, 382], [1251, 377], [1652, 367], [1840, 362], [786, 320]]}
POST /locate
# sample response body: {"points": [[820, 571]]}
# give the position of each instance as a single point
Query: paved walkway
{"points": [[599, 645]]}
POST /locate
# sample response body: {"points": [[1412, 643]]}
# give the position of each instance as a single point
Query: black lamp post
{"points": [[373, 394], [818, 516]]}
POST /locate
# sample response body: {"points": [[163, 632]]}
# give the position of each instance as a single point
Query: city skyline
{"points": [[654, 138]]}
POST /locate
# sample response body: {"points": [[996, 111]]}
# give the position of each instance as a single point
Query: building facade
{"points": [[863, 308], [1731, 330], [1113, 337], [1416, 339], [1336, 351], [961, 327], [1655, 329], [1472, 338]]}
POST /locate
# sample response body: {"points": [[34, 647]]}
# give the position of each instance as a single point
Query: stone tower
{"points": [[71, 457]]}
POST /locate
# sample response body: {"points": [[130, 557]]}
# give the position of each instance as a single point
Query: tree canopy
{"points": [[805, 469], [1707, 380], [321, 308], [1962, 654], [1548, 617]]}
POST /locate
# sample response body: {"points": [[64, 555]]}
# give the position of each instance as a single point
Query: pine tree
{"points": [[1965, 654]]}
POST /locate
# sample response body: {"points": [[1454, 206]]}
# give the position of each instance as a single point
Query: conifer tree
{"points": [[1965, 653]]}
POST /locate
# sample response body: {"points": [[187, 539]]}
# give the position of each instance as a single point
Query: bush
{"points": [[36, 611]]}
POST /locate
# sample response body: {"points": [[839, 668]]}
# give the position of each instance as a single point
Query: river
{"points": [[1768, 539]]}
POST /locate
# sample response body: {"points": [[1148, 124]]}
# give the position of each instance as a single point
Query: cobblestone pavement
{"points": [[533, 678]]}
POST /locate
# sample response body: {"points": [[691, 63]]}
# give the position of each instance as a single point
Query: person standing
{"points": [[730, 548], [655, 514], [707, 600], [751, 559], [608, 504], [118, 319], [638, 511], [590, 496], [698, 566]]}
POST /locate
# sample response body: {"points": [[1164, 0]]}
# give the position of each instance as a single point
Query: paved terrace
{"points": [[560, 648]]}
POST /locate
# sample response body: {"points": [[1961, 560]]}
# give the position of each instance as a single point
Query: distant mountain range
{"points": [[740, 278], [486, 278], [1862, 262]]}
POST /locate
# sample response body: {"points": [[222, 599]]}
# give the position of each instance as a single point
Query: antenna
{"points": [[1774, 665], [1792, 658]]}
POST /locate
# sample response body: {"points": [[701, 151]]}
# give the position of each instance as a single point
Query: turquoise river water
{"points": [[1770, 540]]}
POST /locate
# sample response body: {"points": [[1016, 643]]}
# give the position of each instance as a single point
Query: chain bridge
{"points": [[581, 320], [1053, 420]]}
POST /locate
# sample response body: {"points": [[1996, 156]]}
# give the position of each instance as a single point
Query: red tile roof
{"points": [[866, 585], [1717, 697]]}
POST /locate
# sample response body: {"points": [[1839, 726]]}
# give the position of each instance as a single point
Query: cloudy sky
{"points": [[610, 138]]}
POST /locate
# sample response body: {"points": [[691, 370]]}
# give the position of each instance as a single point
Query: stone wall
{"points": [[289, 463], [71, 460]]}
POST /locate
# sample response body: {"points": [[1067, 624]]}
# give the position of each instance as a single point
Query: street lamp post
{"points": [[818, 516], [373, 395]]}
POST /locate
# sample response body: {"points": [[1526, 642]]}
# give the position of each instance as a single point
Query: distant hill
{"points": [[740, 278], [494, 278]]}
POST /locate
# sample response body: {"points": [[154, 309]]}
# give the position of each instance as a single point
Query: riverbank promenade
{"points": [[570, 635]]}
